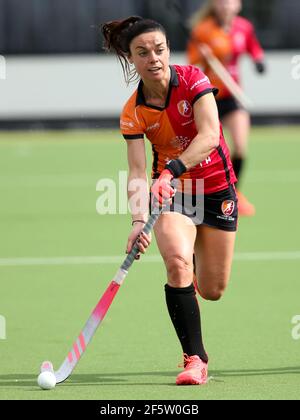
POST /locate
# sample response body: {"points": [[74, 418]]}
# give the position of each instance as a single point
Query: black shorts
{"points": [[227, 105], [218, 210]]}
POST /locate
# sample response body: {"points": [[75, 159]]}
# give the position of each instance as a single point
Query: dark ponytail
{"points": [[119, 34]]}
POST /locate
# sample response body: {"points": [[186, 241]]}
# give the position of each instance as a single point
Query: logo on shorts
{"points": [[228, 207], [185, 109]]}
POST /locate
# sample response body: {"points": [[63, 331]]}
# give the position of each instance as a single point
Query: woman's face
{"points": [[150, 55], [227, 9]]}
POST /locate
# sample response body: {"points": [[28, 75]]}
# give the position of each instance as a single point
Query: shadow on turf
{"points": [[25, 380]]}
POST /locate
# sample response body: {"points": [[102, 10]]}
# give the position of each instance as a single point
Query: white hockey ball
{"points": [[46, 380]]}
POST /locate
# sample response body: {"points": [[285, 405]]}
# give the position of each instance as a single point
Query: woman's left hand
{"points": [[162, 189]]}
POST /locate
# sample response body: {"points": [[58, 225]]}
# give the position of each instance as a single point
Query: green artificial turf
{"points": [[48, 209]]}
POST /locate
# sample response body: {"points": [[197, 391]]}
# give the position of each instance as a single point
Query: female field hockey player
{"points": [[175, 108], [217, 29]]}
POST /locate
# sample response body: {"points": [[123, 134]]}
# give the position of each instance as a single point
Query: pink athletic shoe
{"points": [[245, 207], [195, 371]]}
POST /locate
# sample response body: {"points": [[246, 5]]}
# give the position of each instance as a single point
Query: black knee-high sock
{"points": [[238, 164], [185, 314]]}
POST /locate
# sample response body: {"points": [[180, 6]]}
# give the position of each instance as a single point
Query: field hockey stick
{"points": [[215, 64], [228, 81], [98, 314]]}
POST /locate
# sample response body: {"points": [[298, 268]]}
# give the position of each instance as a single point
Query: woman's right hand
{"points": [[137, 235]]}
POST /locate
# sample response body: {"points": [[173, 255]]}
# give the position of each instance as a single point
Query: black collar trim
{"points": [[174, 82]]}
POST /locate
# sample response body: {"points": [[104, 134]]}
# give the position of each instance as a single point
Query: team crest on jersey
{"points": [[228, 207], [185, 109]]}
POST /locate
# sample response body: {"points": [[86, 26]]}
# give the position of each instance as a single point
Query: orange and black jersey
{"points": [[171, 129]]}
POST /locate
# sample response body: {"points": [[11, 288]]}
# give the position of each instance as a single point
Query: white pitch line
{"points": [[57, 261], [267, 256], [15, 262]]}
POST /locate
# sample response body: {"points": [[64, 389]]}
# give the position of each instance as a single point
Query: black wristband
{"points": [[176, 167]]}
